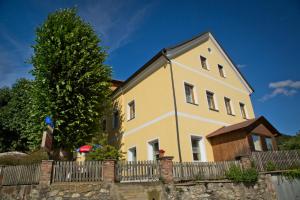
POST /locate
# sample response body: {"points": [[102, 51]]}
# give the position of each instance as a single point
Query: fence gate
{"points": [[72, 171], [137, 171]]}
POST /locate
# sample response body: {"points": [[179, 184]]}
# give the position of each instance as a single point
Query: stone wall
{"points": [[262, 190], [74, 191]]}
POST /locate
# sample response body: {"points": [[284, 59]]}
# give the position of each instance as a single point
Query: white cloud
{"points": [[286, 88], [114, 21], [286, 83]]}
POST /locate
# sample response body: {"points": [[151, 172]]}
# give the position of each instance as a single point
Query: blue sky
{"points": [[262, 38]]}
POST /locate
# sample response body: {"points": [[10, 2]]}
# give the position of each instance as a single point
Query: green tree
{"points": [[15, 107], [71, 81], [287, 142]]}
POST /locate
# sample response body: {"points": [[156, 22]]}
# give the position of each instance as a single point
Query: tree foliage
{"points": [[287, 142], [15, 116], [71, 81]]}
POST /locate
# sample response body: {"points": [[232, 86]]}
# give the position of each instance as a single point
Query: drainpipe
{"points": [[175, 103]]}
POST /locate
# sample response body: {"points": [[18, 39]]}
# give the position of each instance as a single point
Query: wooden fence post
{"points": [[109, 170], [1, 174], [166, 168], [46, 172]]}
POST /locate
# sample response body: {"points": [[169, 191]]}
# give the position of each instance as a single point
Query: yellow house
{"points": [[179, 99]]}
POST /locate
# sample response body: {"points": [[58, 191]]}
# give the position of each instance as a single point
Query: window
{"points": [[189, 93], [210, 100], [116, 119], [269, 144], [131, 109], [243, 110], [104, 125], [196, 148], [153, 150], [221, 71], [228, 106], [256, 143], [132, 154], [203, 62]]}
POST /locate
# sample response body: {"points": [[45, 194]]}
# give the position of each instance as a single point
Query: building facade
{"points": [[179, 97]]}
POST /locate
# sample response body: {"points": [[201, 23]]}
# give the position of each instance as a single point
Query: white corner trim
{"points": [[206, 75], [172, 113]]}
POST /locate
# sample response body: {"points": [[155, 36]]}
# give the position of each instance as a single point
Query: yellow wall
{"points": [[155, 117]]}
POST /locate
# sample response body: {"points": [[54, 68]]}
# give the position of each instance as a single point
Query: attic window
{"points": [[221, 71], [203, 62], [209, 50]]}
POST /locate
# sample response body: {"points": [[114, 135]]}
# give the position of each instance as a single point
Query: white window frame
{"points": [[128, 110], [150, 147], [129, 154], [206, 61], [202, 147], [246, 110], [215, 100], [194, 92]]}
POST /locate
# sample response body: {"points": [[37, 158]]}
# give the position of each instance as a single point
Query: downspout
{"points": [[175, 103]]}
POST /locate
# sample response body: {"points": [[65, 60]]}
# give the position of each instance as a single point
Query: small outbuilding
{"points": [[233, 141]]}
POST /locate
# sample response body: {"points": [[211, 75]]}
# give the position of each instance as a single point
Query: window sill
{"points": [[212, 109], [195, 104], [130, 119]]}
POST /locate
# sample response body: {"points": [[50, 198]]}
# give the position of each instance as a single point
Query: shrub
{"points": [[292, 174], [105, 152], [236, 174], [34, 157], [270, 166]]}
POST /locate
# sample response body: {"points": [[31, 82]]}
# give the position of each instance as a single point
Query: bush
{"points": [[270, 166], [236, 174], [34, 157], [105, 152], [292, 174]]}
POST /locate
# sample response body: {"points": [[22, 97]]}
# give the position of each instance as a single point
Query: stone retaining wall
{"points": [[263, 189], [74, 191]]}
